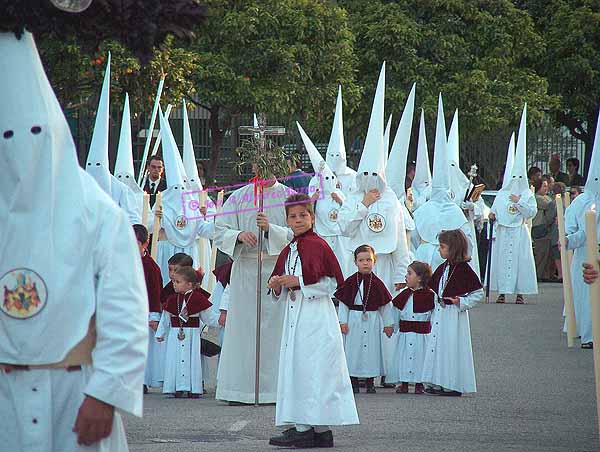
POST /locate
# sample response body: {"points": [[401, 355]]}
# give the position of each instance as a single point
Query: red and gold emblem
{"points": [[180, 222], [376, 222], [25, 293]]}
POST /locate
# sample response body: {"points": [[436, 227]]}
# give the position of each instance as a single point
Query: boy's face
{"points": [[180, 285], [172, 270], [365, 262], [299, 219], [412, 279]]}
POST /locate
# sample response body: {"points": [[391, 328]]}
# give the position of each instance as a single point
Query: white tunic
{"points": [[411, 348], [313, 382], [513, 267], [155, 365], [183, 367], [449, 355], [364, 342], [575, 230], [237, 361]]}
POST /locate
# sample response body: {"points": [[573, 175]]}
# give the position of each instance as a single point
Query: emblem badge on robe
{"points": [[180, 222], [376, 222], [25, 293], [512, 209], [333, 215]]}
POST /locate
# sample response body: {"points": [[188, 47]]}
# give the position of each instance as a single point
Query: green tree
{"points": [[283, 58], [571, 63]]}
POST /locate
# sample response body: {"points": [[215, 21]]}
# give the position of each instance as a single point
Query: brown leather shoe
{"points": [[403, 388]]}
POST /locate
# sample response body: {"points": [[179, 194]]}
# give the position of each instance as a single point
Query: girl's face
{"points": [[444, 251], [180, 285], [412, 279], [299, 219], [365, 260]]}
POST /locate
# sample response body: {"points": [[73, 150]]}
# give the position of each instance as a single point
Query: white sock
{"points": [[303, 428], [321, 428]]}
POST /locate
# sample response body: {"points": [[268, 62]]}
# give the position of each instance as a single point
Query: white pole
{"points": [[157, 142], [566, 274], [150, 130]]}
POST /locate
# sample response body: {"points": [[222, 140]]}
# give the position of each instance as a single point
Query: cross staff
{"points": [[260, 133]]}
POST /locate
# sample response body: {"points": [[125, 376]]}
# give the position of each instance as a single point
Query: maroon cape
{"points": [[168, 290], [317, 259], [462, 280], [423, 299], [153, 283], [378, 295], [223, 273], [196, 303]]}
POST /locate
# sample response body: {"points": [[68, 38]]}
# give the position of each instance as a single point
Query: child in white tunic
{"points": [[364, 312], [414, 306], [313, 385], [449, 356], [181, 321]]}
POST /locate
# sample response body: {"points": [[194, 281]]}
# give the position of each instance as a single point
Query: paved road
{"points": [[534, 395]]}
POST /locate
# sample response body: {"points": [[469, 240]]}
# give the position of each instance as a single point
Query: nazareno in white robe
{"points": [[313, 382], [513, 267], [363, 344], [183, 366], [411, 347], [449, 354], [237, 361], [575, 231]]}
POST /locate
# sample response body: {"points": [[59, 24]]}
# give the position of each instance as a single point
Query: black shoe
{"points": [[293, 437], [371, 389], [324, 439], [355, 389], [145, 389], [446, 393], [431, 390]]}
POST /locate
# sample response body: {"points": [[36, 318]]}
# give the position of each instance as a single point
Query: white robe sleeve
{"points": [[527, 208], [351, 215], [119, 356], [205, 229], [154, 316], [210, 317], [224, 302], [343, 313], [400, 256], [324, 288], [387, 314], [278, 238], [164, 326], [470, 300]]}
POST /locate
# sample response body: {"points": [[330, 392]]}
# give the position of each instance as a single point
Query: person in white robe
{"points": [[439, 212], [336, 151], [97, 159], [328, 200], [421, 184], [237, 228], [83, 286], [576, 240], [314, 390], [513, 267]]}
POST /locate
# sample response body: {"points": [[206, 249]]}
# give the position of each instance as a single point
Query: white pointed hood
{"points": [[372, 160], [336, 149], [180, 231], [320, 167], [440, 212], [519, 185], [421, 184], [592, 183], [459, 183], [189, 157], [97, 160], [386, 140], [395, 170], [124, 171], [510, 158]]}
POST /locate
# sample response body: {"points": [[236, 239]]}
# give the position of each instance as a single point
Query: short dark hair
{"points": [[422, 270], [189, 274], [574, 161], [181, 260], [365, 249], [458, 245], [299, 199], [537, 184], [577, 188], [533, 170], [559, 188], [156, 157], [141, 233]]}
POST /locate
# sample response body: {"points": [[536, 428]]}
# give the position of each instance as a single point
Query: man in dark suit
{"points": [[155, 181]]}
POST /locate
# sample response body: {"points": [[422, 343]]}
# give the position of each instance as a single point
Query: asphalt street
{"points": [[534, 394]]}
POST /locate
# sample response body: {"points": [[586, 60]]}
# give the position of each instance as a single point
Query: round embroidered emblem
{"points": [[180, 222], [333, 215], [512, 209], [24, 293], [376, 222]]}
